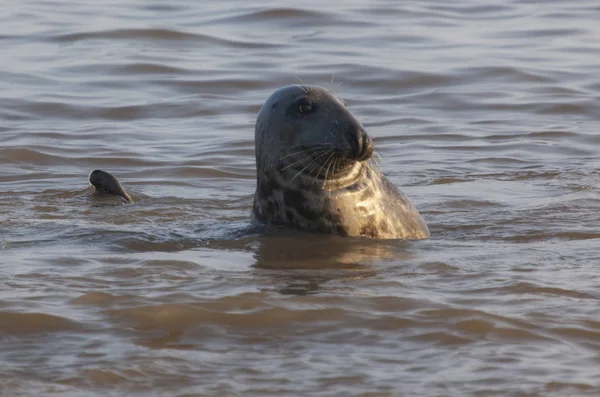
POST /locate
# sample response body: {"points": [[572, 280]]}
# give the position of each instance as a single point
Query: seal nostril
{"points": [[361, 145]]}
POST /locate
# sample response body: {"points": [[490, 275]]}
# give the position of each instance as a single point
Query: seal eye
{"points": [[305, 107]]}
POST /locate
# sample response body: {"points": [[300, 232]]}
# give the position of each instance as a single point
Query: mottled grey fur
{"points": [[314, 171]]}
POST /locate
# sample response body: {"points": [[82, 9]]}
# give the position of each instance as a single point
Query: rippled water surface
{"points": [[485, 113]]}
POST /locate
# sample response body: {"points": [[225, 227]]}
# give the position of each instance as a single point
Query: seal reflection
{"points": [[301, 263]]}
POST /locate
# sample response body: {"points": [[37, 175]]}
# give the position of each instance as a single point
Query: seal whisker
{"points": [[317, 161], [312, 170], [293, 154], [299, 172], [375, 161], [323, 165], [320, 155], [317, 157], [374, 164], [300, 80], [317, 145], [310, 156], [332, 163], [315, 148], [303, 159], [333, 168], [327, 170], [319, 173]]}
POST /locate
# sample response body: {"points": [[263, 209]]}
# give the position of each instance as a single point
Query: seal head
{"points": [[105, 182], [314, 171]]}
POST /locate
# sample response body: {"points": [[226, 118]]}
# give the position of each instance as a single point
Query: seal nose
{"points": [[361, 145]]}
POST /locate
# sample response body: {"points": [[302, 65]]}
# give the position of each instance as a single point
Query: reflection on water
{"points": [[302, 262], [299, 250], [486, 115]]}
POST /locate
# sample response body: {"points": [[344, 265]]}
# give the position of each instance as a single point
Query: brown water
{"points": [[486, 114]]}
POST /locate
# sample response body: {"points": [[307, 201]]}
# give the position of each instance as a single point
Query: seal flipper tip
{"points": [[107, 183]]}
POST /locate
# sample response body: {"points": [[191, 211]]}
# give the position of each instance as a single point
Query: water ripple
{"points": [[485, 115]]}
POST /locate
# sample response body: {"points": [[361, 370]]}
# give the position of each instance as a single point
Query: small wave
{"points": [[446, 180], [181, 316], [529, 288], [577, 333], [151, 34], [549, 235], [98, 299], [70, 109], [504, 73], [547, 33], [496, 160], [27, 323], [552, 134], [150, 69], [292, 17], [273, 13], [472, 204], [18, 155], [571, 388], [156, 34], [589, 107]]}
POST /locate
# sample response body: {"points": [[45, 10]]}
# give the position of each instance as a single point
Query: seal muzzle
{"points": [[361, 145]]}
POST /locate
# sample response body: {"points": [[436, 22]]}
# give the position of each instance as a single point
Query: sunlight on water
{"points": [[485, 114]]}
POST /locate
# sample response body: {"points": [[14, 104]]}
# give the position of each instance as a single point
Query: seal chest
{"points": [[314, 171]]}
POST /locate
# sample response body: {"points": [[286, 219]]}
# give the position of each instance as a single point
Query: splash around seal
{"points": [[314, 171]]}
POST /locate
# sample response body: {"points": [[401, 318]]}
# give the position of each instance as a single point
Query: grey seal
{"points": [[314, 171], [105, 182]]}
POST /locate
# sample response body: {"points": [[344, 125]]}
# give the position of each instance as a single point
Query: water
{"points": [[486, 114]]}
